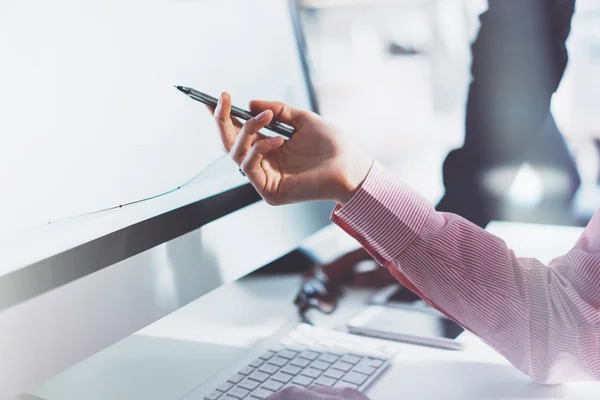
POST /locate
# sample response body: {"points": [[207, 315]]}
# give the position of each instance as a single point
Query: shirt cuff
{"points": [[385, 216]]}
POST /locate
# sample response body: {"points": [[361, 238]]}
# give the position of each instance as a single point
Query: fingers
{"points": [[248, 135], [296, 393], [222, 115], [282, 112], [324, 390], [236, 122], [251, 164], [339, 393]]}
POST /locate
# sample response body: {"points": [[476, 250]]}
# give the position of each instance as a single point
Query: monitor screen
{"points": [[90, 118]]}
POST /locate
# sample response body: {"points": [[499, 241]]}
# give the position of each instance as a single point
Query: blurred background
{"points": [[395, 74]]}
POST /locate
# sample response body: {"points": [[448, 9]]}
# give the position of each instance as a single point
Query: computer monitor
{"points": [[120, 206]]}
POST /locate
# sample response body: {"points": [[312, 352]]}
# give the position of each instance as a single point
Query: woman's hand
{"points": [[318, 393], [316, 164]]}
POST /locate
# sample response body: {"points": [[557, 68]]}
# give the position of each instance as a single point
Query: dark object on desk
{"points": [[321, 287], [318, 292], [397, 49], [204, 98], [345, 270], [357, 268]]}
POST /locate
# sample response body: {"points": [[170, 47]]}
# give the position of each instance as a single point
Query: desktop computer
{"points": [[124, 207]]}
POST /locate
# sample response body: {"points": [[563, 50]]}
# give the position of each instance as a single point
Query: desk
{"points": [[175, 354]]}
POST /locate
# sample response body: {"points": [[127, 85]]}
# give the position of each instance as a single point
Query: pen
{"points": [[274, 126]]}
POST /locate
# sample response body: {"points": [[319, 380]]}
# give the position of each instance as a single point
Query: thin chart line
{"points": [[120, 206]]}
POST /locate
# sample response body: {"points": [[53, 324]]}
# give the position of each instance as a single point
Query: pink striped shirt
{"points": [[544, 319]]}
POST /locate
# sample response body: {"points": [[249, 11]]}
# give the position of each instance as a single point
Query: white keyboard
{"points": [[303, 356]]}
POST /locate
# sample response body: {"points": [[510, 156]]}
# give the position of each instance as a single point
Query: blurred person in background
{"points": [[518, 60]]}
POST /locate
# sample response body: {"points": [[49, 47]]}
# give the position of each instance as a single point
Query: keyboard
{"points": [[302, 356]]}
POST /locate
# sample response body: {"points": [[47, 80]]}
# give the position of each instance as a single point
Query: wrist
{"points": [[355, 175]]}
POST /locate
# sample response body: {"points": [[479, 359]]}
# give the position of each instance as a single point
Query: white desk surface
{"points": [[175, 354]]}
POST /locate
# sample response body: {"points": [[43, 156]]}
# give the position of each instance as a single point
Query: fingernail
{"points": [[274, 139], [220, 100], [262, 116]]}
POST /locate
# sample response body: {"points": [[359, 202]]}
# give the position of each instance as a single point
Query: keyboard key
{"points": [[288, 342], [302, 380], [246, 371], [305, 343], [351, 359], [345, 344], [311, 372], [307, 330], [236, 378], [325, 381], [279, 361], [295, 334], [248, 384], [355, 377], [342, 366], [213, 396], [371, 362], [281, 377], [309, 355], [345, 385], [328, 342], [334, 373], [257, 363], [268, 355], [224, 387], [258, 376], [269, 368], [289, 354], [336, 351], [320, 365], [294, 385], [261, 394], [272, 385], [277, 348], [328, 358], [300, 362], [238, 393], [364, 369], [318, 349], [292, 370]]}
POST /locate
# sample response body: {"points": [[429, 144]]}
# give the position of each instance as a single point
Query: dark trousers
{"points": [[519, 58]]}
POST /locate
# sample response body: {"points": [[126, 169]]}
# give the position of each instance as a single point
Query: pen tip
{"points": [[182, 89]]}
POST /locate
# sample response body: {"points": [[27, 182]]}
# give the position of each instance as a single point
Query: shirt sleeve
{"points": [[544, 319]]}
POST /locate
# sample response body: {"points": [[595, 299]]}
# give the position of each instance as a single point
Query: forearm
{"points": [[536, 316]]}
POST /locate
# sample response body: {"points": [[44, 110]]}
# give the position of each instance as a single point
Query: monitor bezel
{"points": [[60, 269]]}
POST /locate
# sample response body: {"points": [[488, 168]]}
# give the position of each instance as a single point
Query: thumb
{"points": [[281, 112]]}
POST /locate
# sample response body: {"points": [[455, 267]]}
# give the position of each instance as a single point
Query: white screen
{"points": [[89, 118]]}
